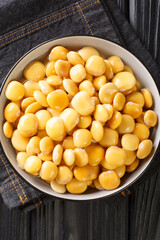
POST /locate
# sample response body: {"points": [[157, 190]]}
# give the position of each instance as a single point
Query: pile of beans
{"points": [[78, 120]]}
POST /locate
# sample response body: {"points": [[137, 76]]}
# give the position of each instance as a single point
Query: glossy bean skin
{"points": [[109, 180], [144, 149], [15, 91], [48, 171], [95, 154], [76, 187], [7, 129], [64, 175]]}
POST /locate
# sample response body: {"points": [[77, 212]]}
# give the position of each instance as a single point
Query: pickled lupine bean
{"points": [[8, 129], [48, 171], [64, 175], [15, 91], [144, 149], [97, 131], [109, 180]]}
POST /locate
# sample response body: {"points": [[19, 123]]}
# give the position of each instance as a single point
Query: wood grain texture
{"points": [[134, 217]]}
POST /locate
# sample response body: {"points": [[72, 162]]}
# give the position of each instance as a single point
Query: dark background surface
{"points": [[136, 216]]}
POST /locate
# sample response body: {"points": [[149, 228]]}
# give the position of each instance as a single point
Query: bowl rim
{"points": [[63, 195]]}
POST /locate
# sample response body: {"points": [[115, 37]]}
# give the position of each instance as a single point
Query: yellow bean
{"points": [[68, 143], [110, 109], [130, 142], [95, 154], [127, 124], [144, 149], [95, 65], [46, 145], [21, 159], [148, 101], [133, 109], [78, 73], [120, 171], [74, 58], [59, 188], [15, 91], [117, 64], [109, 180], [57, 154], [11, 112], [70, 118], [28, 125], [107, 93], [97, 131], [32, 164], [62, 68], [40, 98], [8, 129], [19, 142], [141, 131], [54, 80], [87, 52], [119, 101], [26, 102], [115, 120], [35, 71], [81, 157], [109, 71], [99, 81], [30, 87], [101, 114], [42, 116], [150, 118], [70, 87], [64, 175], [76, 187], [131, 156], [58, 52], [48, 171], [83, 103], [50, 68], [55, 129], [82, 138], [83, 174], [135, 97], [33, 107], [69, 157], [115, 156], [124, 81], [58, 100], [110, 138], [84, 121], [127, 69], [88, 87], [33, 146], [133, 166], [45, 87]]}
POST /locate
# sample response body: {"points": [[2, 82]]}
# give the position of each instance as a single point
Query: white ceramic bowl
{"points": [[106, 48]]}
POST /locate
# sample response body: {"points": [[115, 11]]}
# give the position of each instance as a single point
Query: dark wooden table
{"points": [[136, 216]]}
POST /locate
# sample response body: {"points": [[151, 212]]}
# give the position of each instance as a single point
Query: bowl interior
{"points": [[106, 48]]}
